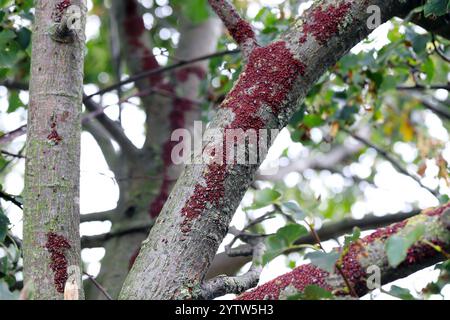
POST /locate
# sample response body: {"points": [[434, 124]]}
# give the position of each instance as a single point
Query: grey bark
{"points": [[52, 170], [173, 264], [139, 179]]}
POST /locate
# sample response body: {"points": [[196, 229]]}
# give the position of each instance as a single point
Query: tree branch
{"points": [[241, 31], [114, 129], [10, 198], [97, 216], [99, 240], [224, 263], [10, 136], [222, 285], [368, 252], [195, 218], [160, 70]]}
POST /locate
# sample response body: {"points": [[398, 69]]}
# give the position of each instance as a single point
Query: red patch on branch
{"points": [[437, 211], [325, 23], [59, 10], [56, 245], [183, 74], [420, 252], [133, 258], [309, 274], [266, 81], [176, 117], [299, 278], [242, 31], [134, 28], [54, 137]]}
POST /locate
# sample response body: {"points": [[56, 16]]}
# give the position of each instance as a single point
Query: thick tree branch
{"points": [[223, 263], [241, 31], [222, 285], [103, 139], [365, 255], [196, 216]]}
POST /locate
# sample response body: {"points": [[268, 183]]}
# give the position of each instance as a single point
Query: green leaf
{"points": [[401, 293], [264, 198], [4, 223], [24, 37], [293, 209], [312, 120], [14, 102], [5, 293], [196, 10], [314, 292], [291, 232], [8, 49], [397, 246], [323, 260], [355, 236], [282, 240], [435, 8], [429, 69]]}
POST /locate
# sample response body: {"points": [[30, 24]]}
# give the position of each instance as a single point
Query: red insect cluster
{"points": [[351, 267], [266, 81], [182, 75], [325, 22], [56, 245], [59, 10], [438, 211], [242, 31], [134, 28], [299, 278], [54, 137]]}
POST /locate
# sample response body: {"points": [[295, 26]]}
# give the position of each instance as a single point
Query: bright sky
{"points": [[99, 192]]}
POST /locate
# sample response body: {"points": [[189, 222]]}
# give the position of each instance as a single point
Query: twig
{"points": [[425, 87], [241, 31], [437, 50], [98, 285], [99, 240], [151, 72], [10, 198], [9, 136], [96, 216], [338, 268], [12, 154]]}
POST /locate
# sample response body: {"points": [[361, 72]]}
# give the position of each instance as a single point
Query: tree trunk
{"points": [[51, 213], [145, 182], [175, 257]]}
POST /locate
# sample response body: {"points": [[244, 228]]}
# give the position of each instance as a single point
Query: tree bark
{"points": [[363, 257], [51, 213], [145, 182], [175, 257]]}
